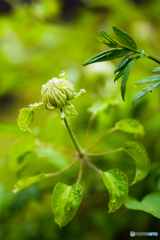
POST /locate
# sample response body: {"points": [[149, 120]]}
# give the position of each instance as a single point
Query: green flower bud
{"points": [[56, 92]]}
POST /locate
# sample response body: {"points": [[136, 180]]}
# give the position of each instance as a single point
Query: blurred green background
{"points": [[38, 40]]}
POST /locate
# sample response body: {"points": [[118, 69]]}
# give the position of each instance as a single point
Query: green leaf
{"points": [[111, 42], [123, 62], [125, 77], [17, 156], [27, 181], [119, 74], [107, 55], [26, 117], [109, 38], [139, 155], [117, 185], [130, 125], [150, 204], [156, 70], [65, 202], [37, 106], [102, 104], [149, 79], [145, 90], [69, 110], [125, 37]]}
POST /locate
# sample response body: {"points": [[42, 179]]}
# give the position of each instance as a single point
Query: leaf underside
{"points": [[140, 157]]}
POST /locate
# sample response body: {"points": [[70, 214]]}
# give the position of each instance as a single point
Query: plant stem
{"points": [[76, 144], [105, 134], [147, 55], [92, 167], [104, 154], [89, 128], [154, 59], [63, 170], [80, 172]]}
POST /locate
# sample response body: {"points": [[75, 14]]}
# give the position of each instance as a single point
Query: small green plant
{"points": [[56, 95], [132, 54]]}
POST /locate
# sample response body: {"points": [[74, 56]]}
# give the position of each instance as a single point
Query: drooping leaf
{"points": [[25, 118], [117, 185], [118, 75], [150, 204], [17, 156], [125, 37], [65, 202], [123, 62], [125, 77], [153, 78], [37, 106], [27, 181], [107, 55], [130, 125], [156, 70], [102, 104], [140, 157], [145, 90]]}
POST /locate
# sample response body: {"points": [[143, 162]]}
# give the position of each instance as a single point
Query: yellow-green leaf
{"points": [[117, 185], [27, 181], [26, 117], [130, 125]]}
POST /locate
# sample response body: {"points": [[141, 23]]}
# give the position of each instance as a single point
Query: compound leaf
{"points": [[26, 117], [140, 157], [150, 204], [65, 202], [125, 37], [117, 185], [145, 90]]}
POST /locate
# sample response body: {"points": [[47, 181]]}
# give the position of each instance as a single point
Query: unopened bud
{"points": [[56, 93]]}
